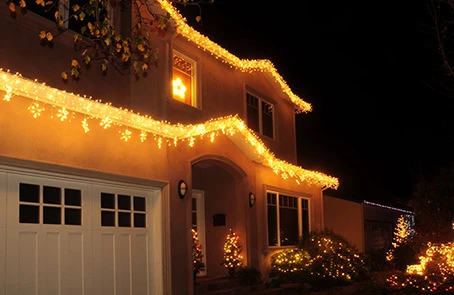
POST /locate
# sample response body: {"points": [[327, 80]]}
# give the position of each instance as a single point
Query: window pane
{"points": [[124, 219], [28, 193], [51, 195], [28, 214], [272, 226], [305, 216], [73, 197], [183, 79], [73, 216], [194, 218], [267, 119], [252, 112], [288, 221], [107, 200], [107, 218], [194, 204], [139, 220], [139, 204], [51, 215], [124, 202], [44, 11]]}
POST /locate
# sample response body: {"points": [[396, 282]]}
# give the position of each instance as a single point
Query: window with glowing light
{"points": [[260, 115], [288, 219], [184, 79]]}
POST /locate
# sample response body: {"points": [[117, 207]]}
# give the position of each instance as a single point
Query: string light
{"points": [[244, 65], [231, 126], [388, 207]]}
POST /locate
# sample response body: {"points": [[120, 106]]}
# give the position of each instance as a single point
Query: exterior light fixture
{"points": [[182, 189], [252, 199]]}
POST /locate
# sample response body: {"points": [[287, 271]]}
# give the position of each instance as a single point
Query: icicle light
{"points": [[48, 98], [245, 65]]}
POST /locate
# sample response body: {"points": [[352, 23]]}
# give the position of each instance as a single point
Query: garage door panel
{"points": [[140, 268], [2, 231]]}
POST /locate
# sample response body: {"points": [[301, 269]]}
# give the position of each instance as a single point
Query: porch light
{"points": [[182, 189], [252, 199]]}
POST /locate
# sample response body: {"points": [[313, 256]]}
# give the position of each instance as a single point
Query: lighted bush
{"points": [[434, 273], [333, 258], [290, 264]]}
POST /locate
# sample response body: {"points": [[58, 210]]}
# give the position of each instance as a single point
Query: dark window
{"points": [[139, 220], [124, 202], [73, 197], [51, 215], [107, 218], [260, 115], [284, 228], [52, 195], [124, 219], [73, 216], [139, 204], [107, 201], [28, 214], [47, 11], [253, 112], [29, 193]]}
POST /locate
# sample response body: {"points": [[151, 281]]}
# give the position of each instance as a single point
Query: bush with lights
{"points": [[232, 249], [333, 259], [434, 274], [290, 264]]}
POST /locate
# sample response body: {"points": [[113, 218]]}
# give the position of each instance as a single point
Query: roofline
{"points": [[245, 65]]}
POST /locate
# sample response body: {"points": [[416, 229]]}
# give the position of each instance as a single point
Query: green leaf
{"points": [[81, 15], [87, 59], [75, 7]]}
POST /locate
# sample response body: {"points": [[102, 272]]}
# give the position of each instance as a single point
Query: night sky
{"points": [[366, 68]]}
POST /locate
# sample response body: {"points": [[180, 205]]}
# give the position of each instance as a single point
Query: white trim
{"points": [[194, 78]]}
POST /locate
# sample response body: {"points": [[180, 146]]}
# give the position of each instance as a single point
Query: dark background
{"points": [[367, 69]]}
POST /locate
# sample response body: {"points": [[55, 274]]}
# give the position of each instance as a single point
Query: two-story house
{"points": [[102, 179]]}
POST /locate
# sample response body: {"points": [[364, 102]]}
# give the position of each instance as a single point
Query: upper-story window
{"points": [[184, 79], [260, 115]]}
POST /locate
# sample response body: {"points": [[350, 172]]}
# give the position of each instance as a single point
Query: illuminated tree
{"points": [[99, 39], [402, 233], [197, 254], [232, 249]]}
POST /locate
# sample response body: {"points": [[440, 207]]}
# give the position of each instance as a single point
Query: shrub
{"points": [[333, 258], [248, 275], [290, 264]]}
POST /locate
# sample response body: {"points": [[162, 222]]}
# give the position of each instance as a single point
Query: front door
{"points": [[198, 221]]}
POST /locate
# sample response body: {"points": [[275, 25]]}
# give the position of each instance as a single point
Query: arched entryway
{"points": [[218, 185]]}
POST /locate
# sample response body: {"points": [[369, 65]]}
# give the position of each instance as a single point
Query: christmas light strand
{"points": [[245, 65], [46, 98], [387, 207]]}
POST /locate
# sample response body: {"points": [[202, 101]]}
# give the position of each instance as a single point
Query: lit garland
{"points": [[244, 65], [48, 98], [402, 232], [388, 207], [434, 273]]}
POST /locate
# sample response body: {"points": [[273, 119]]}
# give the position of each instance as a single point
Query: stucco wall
{"points": [[345, 218]]}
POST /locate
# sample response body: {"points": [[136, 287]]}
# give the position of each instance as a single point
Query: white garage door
{"points": [[73, 236]]}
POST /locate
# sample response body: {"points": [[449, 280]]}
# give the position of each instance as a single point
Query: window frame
{"points": [[194, 77], [261, 100], [300, 217]]}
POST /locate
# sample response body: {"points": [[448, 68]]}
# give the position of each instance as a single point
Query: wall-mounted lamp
{"points": [[182, 189], [252, 199]]}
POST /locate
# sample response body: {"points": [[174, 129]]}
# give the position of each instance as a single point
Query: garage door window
{"points": [[123, 210], [49, 205]]}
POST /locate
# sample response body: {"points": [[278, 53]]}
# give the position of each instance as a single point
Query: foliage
{"points": [[433, 204], [197, 254], [440, 31], [248, 275], [99, 36], [290, 264], [333, 258], [434, 273], [232, 249]]}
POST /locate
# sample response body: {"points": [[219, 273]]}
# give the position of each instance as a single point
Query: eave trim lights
{"points": [[65, 104], [388, 207], [245, 65]]}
